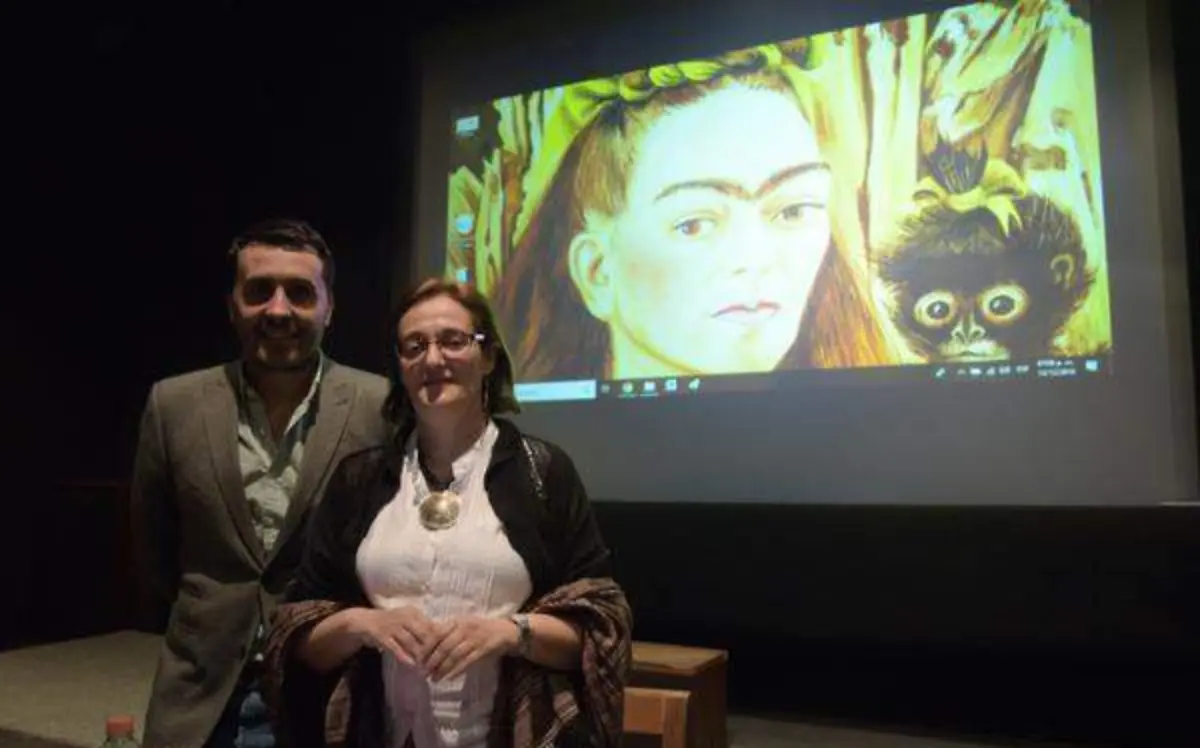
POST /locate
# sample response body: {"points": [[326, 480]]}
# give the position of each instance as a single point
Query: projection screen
{"points": [[893, 253]]}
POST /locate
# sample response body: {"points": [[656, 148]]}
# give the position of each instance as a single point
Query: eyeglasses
{"points": [[449, 342]]}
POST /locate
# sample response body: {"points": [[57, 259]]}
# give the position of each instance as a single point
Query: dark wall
{"points": [[145, 142], [156, 138], [1067, 622]]}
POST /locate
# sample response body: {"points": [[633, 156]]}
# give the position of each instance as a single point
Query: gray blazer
{"points": [[196, 540]]}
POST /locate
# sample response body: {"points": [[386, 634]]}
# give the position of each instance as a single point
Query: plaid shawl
{"points": [[534, 707]]}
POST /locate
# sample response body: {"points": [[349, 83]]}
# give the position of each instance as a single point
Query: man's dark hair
{"points": [[289, 234]]}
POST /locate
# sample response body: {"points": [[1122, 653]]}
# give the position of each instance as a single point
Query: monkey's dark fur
{"points": [[962, 256]]}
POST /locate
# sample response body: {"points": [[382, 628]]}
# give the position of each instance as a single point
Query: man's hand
{"points": [[464, 641]]}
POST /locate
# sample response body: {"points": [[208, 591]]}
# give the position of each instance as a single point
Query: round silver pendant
{"points": [[439, 510]]}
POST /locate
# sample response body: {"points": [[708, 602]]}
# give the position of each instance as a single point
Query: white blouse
{"points": [[469, 569]]}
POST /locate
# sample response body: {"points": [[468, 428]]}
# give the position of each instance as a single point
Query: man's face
{"points": [[280, 306]]}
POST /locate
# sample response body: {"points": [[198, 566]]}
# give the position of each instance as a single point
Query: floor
{"points": [[58, 696], [767, 732]]}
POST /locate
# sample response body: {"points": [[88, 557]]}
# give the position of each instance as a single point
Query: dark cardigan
{"points": [[551, 527]]}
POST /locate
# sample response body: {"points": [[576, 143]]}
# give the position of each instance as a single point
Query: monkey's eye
{"points": [[1004, 304], [936, 309]]}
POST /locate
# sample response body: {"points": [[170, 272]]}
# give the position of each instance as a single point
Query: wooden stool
{"points": [[657, 711], [700, 672]]}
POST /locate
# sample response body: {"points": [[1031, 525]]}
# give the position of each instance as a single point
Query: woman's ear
{"points": [[489, 362], [587, 261]]}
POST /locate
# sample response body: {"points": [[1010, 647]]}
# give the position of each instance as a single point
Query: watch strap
{"points": [[525, 633]]}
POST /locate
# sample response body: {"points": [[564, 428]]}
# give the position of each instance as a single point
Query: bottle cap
{"points": [[118, 726]]}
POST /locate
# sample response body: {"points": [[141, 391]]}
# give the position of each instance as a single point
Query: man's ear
{"points": [[230, 309], [587, 261]]}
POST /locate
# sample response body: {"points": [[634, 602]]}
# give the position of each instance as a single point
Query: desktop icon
{"points": [[466, 126]]}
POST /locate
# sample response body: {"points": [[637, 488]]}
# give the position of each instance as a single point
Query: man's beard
{"points": [[306, 348], [301, 363]]}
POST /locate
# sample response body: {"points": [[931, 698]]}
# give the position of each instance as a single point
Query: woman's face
{"points": [[710, 265], [442, 363]]}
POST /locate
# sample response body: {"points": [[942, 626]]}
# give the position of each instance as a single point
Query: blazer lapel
{"points": [[220, 422], [334, 401]]}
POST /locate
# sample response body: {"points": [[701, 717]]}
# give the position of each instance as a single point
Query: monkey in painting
{"points": [[983, 269]]}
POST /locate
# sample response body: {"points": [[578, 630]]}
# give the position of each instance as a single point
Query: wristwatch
{"points": [[524, 633]]}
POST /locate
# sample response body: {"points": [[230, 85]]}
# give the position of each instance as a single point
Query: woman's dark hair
{"points": [[498, 396]]}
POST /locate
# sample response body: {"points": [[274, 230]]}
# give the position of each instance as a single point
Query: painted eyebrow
{"points": [[736, 190]]}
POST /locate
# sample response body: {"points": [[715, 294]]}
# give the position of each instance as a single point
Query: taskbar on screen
{"points": [[688, 385]]}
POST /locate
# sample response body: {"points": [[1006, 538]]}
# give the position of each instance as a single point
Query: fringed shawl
{"points": [[535, 706]]}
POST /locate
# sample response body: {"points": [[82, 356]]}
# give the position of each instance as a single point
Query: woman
{"points": [[689, 207], [455, 590]]}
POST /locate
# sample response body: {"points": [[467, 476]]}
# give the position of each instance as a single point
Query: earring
{"points": [[486, 390]]}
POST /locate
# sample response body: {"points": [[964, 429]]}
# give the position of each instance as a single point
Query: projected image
{"points": [[913, 192]]}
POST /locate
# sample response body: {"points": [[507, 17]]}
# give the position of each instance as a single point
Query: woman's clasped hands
{"points": [[439, 648]]}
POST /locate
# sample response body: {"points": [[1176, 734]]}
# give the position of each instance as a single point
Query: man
{"points": [[230, 462]]}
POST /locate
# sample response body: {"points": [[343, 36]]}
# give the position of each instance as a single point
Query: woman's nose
{"points": [[752, 248], [433, 354]]}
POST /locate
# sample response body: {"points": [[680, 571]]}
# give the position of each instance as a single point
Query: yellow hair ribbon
{"points": [[581, 103], [998, 187]]}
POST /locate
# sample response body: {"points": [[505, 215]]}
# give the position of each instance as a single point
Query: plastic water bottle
{"points": [[118, 731]]}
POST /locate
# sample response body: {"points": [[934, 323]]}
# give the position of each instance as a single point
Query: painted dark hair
{"points": [[554, 335]]}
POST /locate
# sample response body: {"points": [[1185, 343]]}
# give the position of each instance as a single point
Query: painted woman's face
{"points": [[710, 265]]}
